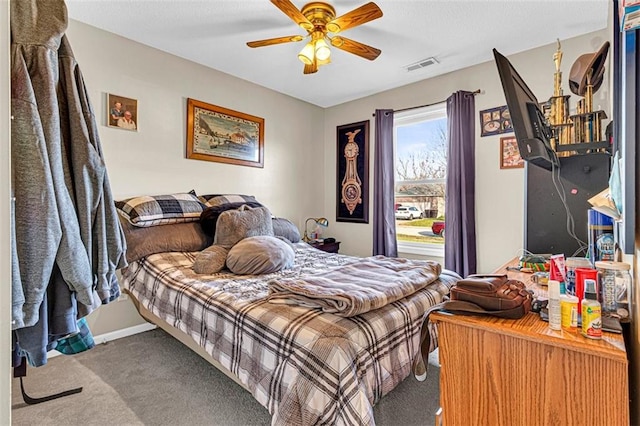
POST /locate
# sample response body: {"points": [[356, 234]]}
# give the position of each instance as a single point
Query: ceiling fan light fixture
{"points": [[307, 53], [318, 19], [322, 50]]}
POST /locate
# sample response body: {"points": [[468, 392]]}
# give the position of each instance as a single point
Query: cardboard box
{"points": [[629, 12]]}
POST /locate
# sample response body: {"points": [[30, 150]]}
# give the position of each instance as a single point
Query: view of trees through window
{"points": [[420, 175]]}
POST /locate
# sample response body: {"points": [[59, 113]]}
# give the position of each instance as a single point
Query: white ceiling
{"points": [[457, 33]]}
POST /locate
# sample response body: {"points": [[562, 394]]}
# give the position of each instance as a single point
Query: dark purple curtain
{"points": [[384, 222], [460, 246]]}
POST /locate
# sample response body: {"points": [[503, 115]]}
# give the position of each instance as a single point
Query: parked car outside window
{"points": [[408, 212], [437, 228]]}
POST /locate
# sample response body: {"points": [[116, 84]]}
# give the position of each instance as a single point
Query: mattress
{"points": [[303, 365]]}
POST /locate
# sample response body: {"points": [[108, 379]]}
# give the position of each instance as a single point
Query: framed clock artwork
{"points": [[352, 192]]}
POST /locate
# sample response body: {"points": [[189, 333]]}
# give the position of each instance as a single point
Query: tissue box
{"points": [[629, 12]]}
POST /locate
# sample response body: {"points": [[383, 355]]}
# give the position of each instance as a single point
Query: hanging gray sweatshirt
{"points": [[97, 217], [46, 218]]}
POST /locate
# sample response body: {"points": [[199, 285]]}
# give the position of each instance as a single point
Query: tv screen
{"points": [[528, 121]]}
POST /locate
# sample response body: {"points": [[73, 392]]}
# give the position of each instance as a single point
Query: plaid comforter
{"points": [[303, 365]]}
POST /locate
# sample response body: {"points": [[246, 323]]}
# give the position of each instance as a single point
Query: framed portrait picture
{"points": [[352, 192], [122, 112], [510, 154], [495, 121], [222, 135]]}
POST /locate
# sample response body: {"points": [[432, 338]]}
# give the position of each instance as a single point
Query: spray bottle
{"points": [[591, 311]]}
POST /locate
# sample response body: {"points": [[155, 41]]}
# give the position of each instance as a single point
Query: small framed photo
{"points": [[510, 154], [495, 121], [222, 135], [122, 113]]}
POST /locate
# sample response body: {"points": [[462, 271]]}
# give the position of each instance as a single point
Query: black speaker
{"points": [[582, 177]]}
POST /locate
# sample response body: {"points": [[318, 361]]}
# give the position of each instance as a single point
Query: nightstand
{"points": [[328, 247]]}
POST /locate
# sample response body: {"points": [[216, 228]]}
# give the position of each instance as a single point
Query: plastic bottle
{"points": [[591, 311], [553, 306], [601, 241], [615, 288], [569, 313], [557, 271], [582, 274], [572, 263]]}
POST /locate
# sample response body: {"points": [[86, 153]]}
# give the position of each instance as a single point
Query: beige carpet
{"points": [[152, 379]]}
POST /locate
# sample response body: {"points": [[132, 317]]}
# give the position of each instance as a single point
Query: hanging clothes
{"points": [[97, 217], [67, 240]]}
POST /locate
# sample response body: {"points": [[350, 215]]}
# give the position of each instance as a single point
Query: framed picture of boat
{"points": [[222, 135]]}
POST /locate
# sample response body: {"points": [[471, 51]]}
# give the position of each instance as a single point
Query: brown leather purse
{"points": [[494, 295]]}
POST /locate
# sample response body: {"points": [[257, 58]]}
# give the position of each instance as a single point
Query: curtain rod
{"points": [[475, 92]]}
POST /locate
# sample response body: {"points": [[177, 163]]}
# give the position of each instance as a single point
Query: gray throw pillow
{"points": [[142, 242], [210, 260], [234, 225], [260, 255], [285, 228]]}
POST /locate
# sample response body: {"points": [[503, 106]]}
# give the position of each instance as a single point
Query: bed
{"points": [[305, 366]]}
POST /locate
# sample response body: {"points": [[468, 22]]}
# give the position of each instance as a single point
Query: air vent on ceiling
{"points": [[421, 64]]}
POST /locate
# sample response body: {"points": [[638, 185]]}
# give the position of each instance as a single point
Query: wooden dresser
{"points": [[519, 372]]}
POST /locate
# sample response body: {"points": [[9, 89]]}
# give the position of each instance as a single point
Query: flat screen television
{"points": [[529, 125]]}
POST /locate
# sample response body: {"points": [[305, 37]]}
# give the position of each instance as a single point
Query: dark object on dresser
{"points": [[326, 245]]}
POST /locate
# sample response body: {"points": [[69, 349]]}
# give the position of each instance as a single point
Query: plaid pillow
{"points": [[160, 209], [219, 200]]}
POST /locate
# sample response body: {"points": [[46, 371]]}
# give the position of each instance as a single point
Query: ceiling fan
{"points": [[319, 19]]}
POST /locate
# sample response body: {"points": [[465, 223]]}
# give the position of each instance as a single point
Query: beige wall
{"points": [[5, 180], [152, 160], [499, 193]]}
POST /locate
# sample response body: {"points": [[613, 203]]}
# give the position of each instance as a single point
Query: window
{"points": [[420, 137]]}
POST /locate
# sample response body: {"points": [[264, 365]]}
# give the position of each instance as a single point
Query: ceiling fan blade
{"points": [[311, 68], [277, 40], [365, 13], [292, 12], [356, 48]]}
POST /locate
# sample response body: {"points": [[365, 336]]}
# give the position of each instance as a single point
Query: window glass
{"points": [[420, 177]]}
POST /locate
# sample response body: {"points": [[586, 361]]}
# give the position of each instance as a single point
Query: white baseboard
{"points": [[113, 335], [125, 332]]}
